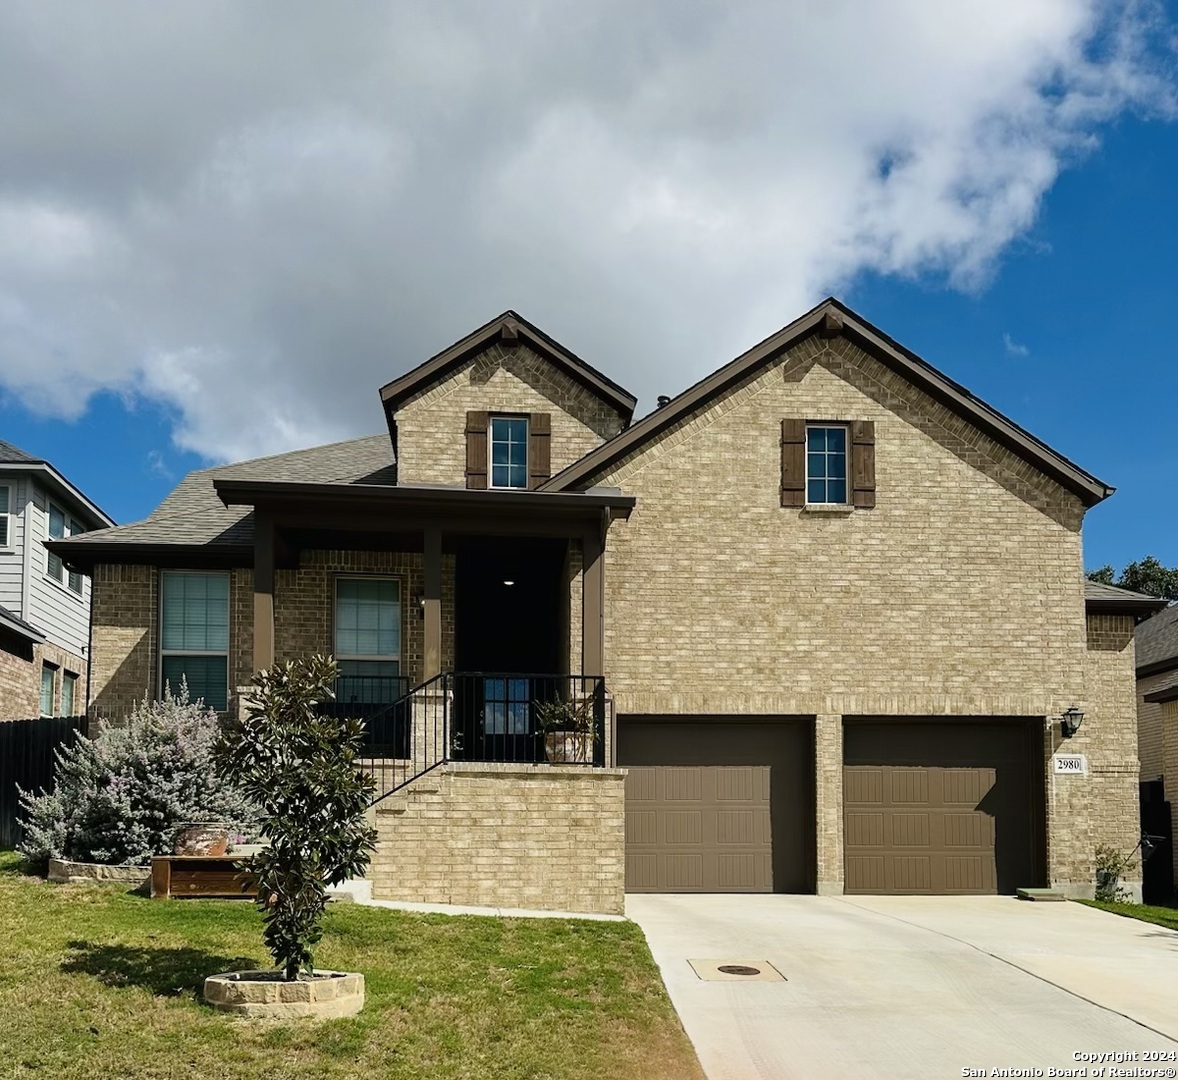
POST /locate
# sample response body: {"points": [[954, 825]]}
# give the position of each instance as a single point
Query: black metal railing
{"points": [[481, 716], [498, 716]]}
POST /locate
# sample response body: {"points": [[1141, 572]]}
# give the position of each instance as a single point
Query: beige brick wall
{"points": [[1149, 725], [431, 428], [961, 592], [20, 681], [523, 836], [124, 606], [1168, 720]]}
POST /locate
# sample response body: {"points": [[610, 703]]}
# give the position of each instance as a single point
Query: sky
{"points": [[224, 226]]}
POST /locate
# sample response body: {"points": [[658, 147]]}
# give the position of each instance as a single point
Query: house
{"points": [[826, 607], [44, 606], [1157, 732]]}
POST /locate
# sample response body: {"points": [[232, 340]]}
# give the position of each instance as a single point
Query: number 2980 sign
{"points": [[1071, 764]]}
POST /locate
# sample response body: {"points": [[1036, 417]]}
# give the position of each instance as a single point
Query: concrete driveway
{"points": [[915, 986]]}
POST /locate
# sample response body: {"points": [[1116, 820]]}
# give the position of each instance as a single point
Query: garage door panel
{"points": [[683, 827], [938, 807], [751, 783]]}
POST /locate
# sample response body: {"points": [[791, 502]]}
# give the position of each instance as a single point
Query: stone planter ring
{"points": [[325, 996]]}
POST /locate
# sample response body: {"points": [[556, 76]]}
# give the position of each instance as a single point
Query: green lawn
{"points": [[96, 982], [1162, 916]]}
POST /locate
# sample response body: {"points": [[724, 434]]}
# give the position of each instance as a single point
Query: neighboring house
{"points": [[44, 606], [1157, 687], [827, 609]]}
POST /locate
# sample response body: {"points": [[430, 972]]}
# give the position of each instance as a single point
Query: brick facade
{"points": [[1149, 725], [20, 679], [431, 427], [521, 836], [1168, 723]]}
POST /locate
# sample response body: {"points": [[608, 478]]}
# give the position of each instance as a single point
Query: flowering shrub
{"points": [[121, 796]]}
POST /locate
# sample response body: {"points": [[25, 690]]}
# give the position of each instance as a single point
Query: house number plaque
{"points": [[1071, 764]]}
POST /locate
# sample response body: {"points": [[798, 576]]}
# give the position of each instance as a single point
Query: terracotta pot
{"points": [[568, 747], [202, 838]]}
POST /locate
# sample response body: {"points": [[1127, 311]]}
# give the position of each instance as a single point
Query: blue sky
{"points": [[209, 252]]}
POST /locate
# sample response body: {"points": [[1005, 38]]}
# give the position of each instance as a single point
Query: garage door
{"points": [[941, 807], [715, 805]]}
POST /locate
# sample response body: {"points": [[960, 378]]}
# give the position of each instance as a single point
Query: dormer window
{"points": [[509, 451]]}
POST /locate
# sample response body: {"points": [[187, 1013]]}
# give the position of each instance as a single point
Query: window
{"points": [[506, 706], [826, 464], [5, 510], [509, 452], [69, 686], [48, 674], [194, 635], [59, 528], [368, 638]]}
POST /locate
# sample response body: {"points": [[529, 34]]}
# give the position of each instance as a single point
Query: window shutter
{"points": [[539, 448], [476, 449], [793, 462], [863, 464]]}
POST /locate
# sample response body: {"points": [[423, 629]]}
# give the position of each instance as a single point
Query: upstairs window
{"points": [[194, 635], [5, 511], [59, 528], [826, 464], [509, 452], [48, 677]]}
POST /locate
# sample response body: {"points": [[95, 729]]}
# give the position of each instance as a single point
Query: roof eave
{"points": [[833, 317], [83, 556], [251, 492], [396, 392], [91, 507], [21, 629], [1170, 693], [1123, 606]]}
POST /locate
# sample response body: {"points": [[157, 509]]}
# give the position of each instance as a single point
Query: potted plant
{"points": [[569, 729]]}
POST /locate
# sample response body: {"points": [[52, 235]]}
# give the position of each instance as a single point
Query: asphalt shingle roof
{"points": [[193, 514], [16, 623], [14, 455], [1096, 590], [1157, 638]]}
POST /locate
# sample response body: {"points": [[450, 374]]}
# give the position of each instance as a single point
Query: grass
{"points": [[1150, 913], [95, 982]]}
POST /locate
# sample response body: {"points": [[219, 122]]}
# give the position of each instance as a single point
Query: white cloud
{"points": [[1013, 348], [256, 215]]}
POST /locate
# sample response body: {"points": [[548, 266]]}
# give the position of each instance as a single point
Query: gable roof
{"points": [[510, 327], [193, 517], [833, 318], [13, 458], [1157, 642], [1101, 599]]}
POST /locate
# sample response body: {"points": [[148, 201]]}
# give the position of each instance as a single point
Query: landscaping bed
{"points": [[97, 981]]}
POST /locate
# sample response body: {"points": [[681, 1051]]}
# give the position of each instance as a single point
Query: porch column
{"points": [[263, 590], [593, 602], [432, 601]]}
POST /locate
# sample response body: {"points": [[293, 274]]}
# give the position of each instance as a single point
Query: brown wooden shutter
{"points": [[793, 462], [863, 464], [539, 448], [476, 449]]}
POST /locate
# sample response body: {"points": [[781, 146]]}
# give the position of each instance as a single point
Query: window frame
{"points": [[69, 678], [399, 659], [51, 671], [6, 516], [828, 425], [161, 652], [70, 526], [526, 420]]}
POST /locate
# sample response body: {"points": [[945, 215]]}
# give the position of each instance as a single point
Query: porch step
{"points": [[1040, 894]]}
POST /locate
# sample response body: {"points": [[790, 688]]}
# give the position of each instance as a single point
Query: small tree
{"points": [[300, 768], [121, 796]]}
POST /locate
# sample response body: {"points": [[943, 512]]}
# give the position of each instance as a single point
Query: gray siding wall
{"points": [[12, 555], [59, 612]]}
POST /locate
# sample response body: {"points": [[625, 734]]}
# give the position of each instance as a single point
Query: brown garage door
{"points": [[717, 805], [941, 807]]}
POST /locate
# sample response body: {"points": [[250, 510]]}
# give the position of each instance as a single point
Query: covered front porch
{"points": [[500, 608]]}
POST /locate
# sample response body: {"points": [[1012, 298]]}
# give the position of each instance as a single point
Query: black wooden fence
{"points": [[26, 758]]}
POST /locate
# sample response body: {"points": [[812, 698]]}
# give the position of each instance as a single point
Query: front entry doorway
{"points": [[511, 620]]}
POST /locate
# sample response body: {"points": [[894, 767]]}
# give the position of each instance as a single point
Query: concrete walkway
{"points": [[912, 987]]}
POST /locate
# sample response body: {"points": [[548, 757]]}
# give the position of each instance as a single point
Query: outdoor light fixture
{"points": [[506, 582], [1070, 722]]}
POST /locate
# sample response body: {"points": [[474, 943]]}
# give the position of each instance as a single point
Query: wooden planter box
{"points": [[198, 875]]}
